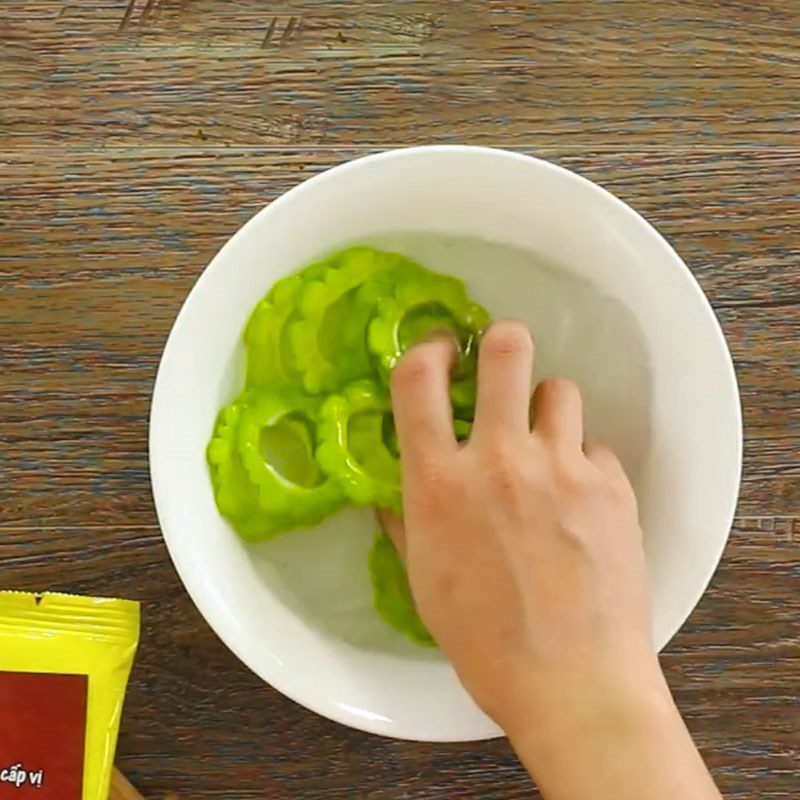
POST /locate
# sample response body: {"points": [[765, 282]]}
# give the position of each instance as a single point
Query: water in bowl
{"points": [[580, 333]]}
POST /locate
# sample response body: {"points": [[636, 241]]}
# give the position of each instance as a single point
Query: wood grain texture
{"points": [[622, 73], [137, 135]]}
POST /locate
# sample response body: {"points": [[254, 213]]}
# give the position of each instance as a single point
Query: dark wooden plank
{"points": [[73, 215], [627, 73]]}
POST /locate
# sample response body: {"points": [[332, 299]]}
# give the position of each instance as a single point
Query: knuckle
{"points": [[447, 583], [435, 479], [576, 537], [432, 474], [618, 493], [572, 480], [561, 387], [415, 369], [599, 450], [602, 456], [507, 339], [599, 489], [613, 484], [438, 493], [503, 470]]}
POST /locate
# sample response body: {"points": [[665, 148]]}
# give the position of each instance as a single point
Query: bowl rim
{"points": [[206, 605]]}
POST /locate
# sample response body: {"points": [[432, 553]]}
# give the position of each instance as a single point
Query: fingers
{"points": [[505, 364], [605, 460], [558, 413], [395, 529], [421, 401]]}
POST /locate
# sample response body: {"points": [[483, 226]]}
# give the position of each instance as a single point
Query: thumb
{"points": [[395, 529]]}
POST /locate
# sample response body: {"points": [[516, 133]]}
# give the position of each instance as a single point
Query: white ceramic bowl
{"points": [[611, 305]]}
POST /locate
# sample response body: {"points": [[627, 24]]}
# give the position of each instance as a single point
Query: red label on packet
{"points": [[42, 735]]}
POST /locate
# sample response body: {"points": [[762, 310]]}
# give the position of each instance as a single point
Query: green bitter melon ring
{"points": [[329, 339], [269, 358], [235, 495], [298, 494], [353, 445], [421, 304]]}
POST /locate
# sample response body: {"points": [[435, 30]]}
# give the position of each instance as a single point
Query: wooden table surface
{"points": [[136, 135]]}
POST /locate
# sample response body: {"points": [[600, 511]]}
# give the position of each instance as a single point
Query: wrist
{"points": [[617, 729], [600, 707], [586, 693]]}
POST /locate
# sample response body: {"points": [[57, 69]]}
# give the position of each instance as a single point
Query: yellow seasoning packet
{"points": [[64, 666]]}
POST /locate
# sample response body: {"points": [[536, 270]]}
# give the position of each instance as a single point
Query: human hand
{"points": [[524, 553]]}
